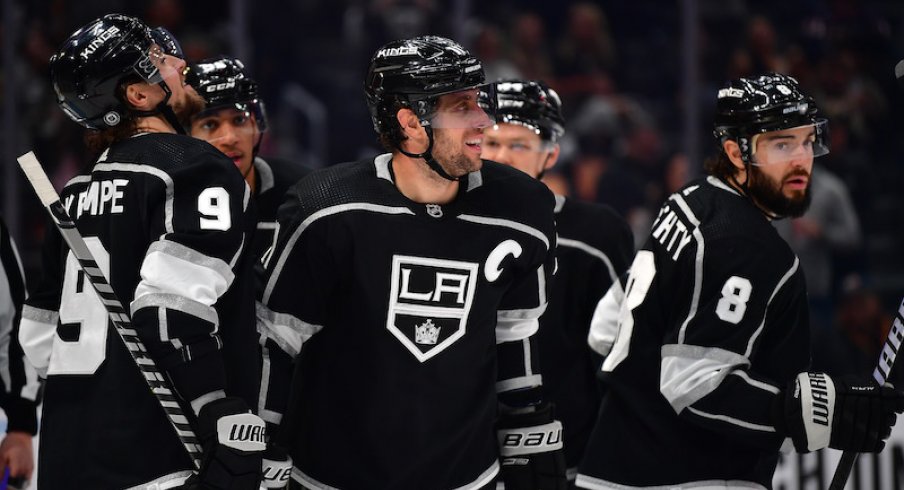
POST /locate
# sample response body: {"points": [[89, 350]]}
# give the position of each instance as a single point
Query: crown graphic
{"points": [[426, 333]]}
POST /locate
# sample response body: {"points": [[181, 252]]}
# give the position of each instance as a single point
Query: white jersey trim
{"points": [[519, 383], [506, 223], [510, 330], [568, 242], [604, 323], [484, 479], [37, 329], [591, 483], [173, 480], [689, 373], [732, 420], [289, 332], [358, 206], [778, 286], [146, 169], [698, 264]]}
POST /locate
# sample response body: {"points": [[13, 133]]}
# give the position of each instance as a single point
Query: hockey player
{"points": [[408, 288], [595, 247], [17, 377], [234, 121], [168, 219], [708, 373]]}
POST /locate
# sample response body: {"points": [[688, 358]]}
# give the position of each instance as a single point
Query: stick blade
{"points": [[35, 174]]}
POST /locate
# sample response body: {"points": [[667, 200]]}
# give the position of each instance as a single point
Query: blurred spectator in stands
{"points": [[851, 346], [490, 48], [586, 54], [530, 47], [828, 231], [677, 173]]}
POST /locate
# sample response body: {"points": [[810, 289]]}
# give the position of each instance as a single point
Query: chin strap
{"points": [[428, 156], [165, 110]]}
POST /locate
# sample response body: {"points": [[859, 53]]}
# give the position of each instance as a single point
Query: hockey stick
{"points": [[115, 311], [881, 374]]}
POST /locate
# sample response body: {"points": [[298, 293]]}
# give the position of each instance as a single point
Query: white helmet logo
{"points": [[783, 89], [112, 118]]}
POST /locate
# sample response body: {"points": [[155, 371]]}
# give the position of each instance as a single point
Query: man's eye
{"points": [[209, 125], [519, 147], [491, 144], [240, 120]]}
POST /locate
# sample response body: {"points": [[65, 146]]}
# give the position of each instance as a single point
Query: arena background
{"points": [[638, 81]]}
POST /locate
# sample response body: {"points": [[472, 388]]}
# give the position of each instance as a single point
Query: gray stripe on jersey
{"points": [[178, 303], [508, 330], [506, 223], [38, 315], [560, 203], [146, 169], [381, 163], [691, 372], [698, 267], [732, 420], [568, 242], [475, 180], [78, 179], [519, 383], [591, 483], [179, 251], [173, 480], [484, 479], [264, 175], [355, 206], [247, 197], [756, 384], [715, 182], [778, 286], [289, 332]]}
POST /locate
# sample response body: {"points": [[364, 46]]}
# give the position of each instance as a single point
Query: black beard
{"points": [[770, 197]]}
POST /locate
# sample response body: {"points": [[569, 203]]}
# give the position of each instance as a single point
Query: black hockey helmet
{"points": [[748, 107], [167, 41], [222, 82], [413, 73], [532, 104], [88, 69]]}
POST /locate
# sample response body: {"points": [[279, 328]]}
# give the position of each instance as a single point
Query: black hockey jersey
{"points": [[274, 177], [413, 316], [713, 325], [595, 247], [169, 220], [19, 379]]}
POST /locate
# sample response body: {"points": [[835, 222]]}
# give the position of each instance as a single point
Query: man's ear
{"points": [[409, 122], [141, 96], [733, 151], [552, 157]]}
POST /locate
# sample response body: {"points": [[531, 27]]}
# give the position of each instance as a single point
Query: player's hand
{"points": [[16, 453], [277, 467], [850, 415], [530, 448], [233, 440]]}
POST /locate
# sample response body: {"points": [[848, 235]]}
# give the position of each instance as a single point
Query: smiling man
{"points": [[408, 287], [708, 349]]}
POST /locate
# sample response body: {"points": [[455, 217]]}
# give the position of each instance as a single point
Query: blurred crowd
{"points": [[618, 67]]}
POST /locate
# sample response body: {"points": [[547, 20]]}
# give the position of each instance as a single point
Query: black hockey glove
{"points": [[233, 441], [277, 467], [851, 415], [530, 448]]}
